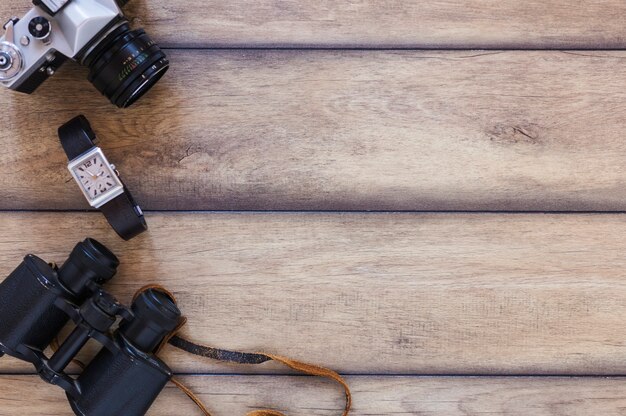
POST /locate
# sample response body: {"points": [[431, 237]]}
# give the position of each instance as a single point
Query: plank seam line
{"points": [[304, 48], [323, 212], [390, 375]]}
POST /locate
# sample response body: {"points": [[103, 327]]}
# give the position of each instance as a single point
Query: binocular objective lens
{"points": [[156, 315]]}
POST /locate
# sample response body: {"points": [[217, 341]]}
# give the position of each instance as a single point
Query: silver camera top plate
{"points": [[72, 29]]}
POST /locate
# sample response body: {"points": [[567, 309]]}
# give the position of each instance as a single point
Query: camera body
{"points": [[123, 64], [68, 34]]}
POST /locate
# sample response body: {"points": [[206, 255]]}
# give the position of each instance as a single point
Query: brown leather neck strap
{"points": [[256, 358], [217, 354], [247, 359]]}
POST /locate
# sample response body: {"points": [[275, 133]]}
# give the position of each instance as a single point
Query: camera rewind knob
{"points": [[40, 28]]}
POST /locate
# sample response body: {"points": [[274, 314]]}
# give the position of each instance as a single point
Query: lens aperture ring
{"points": [[125, 65], [141, 78], [106, 55]]}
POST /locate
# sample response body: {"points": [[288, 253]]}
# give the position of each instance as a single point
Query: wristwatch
{"points": [[99, 180]]}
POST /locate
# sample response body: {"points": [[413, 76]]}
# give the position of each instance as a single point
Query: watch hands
{"points": [[92, 175]]}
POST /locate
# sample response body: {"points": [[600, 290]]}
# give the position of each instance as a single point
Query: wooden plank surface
{"points": [[237, 395], [349, 130], [240, 124], [373, 293], [374, 23]]}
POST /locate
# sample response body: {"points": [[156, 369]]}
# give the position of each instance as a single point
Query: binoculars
{"points": [[38, 299]]}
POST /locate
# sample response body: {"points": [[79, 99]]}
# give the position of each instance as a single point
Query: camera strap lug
{"points": [[9, 29]]}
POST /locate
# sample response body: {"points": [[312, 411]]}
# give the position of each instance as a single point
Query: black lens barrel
{"points": [[125, 65]]}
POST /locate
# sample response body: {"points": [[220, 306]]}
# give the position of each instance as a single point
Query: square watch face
{"points": [[95, 177]]}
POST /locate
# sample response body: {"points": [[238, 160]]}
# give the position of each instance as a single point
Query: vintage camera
{"points": [[123, 63], [37, 300]]}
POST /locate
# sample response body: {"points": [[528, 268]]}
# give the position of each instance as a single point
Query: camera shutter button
{"points": [[40, 28]]}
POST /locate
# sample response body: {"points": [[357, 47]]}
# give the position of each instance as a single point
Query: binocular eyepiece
{"points": [[38, 299]]}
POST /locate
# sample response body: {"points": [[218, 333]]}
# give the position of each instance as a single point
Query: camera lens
{"points": [[156, 315], [90, 261], [125, 65]]}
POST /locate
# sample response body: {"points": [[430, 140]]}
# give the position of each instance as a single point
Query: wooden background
{"points": [[443, 225]]}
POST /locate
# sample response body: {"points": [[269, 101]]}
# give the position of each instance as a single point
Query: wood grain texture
{"points": [[373, 293], [375, 23], [350, 130], [237, 395]]}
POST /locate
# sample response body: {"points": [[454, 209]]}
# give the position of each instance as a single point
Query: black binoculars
{"points": [[38, 299]]}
